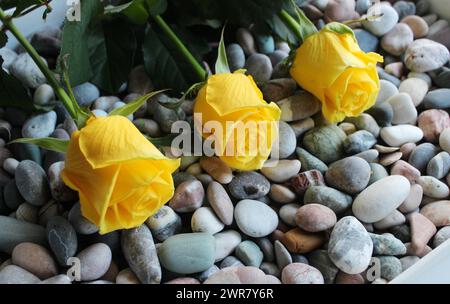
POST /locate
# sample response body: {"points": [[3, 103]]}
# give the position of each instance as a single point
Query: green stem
{"points": [[291, 23], [59, 91], [198, 69]]}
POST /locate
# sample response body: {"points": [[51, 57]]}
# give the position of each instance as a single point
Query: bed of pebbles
{"points": [[376, 185]]}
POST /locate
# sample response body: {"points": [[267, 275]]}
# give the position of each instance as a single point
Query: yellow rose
{"points": [[121, 178], [235, 98], [330, 65]]}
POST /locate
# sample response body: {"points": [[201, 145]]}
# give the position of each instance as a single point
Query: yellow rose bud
{"points": [[330, 65], [235, 104], [121, 177]]}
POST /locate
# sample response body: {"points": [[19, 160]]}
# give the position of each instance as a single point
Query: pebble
{"points": [[281, 170], [16, 232], [331, 139], [315, 218], [388, 159], [287, 214], [441, 236], [235, 56], [405, 169], [441, 77], [278, 89], [395, 68], [32, 182], [391, 267], [8, 56], [62, 239], [200, 247], [10, 165], [126, 276], [44, 95], [401, 134], [277, 56], [369, 156], [217, 169], [387, 90], [365, 122], [28, 213], [58, 279], [226, 243], [305, 180], [340, 10], [249, 185], [417, 24], [413, 200], [35, 259], [439, 165], [397, 40], [393, 219], [359, 141], [402, 232], [421, 155], [320, 260], [13, 274], [58, 189], [366, 40], [267, 247], [249, 253], [164, 223], [437, 212], [239, 275], [245, 39], [329, 197], [85, 94], [281, 194], [410, 250], [255, 218], [372, 205], [298, 107], [433, 187], [422, 230], [350, 174], [204, 220], [282, 255], [259, 66], [345, 278], [299, 273], [350, 246], [377, 172], [408, 261], [81, 224], [382, 113], [26, 70], [362, 6], [147, 126], [39, 126], [94, 261], [404, 109], [432, 123], [270, 269], [387, 244], [444, 140], [220, 202], [309, 161], [286, 142], [140, 253], [416, 88], [404, 8], [383, 24], [424, 55], [265, 43], [299, 241], [188, 196], [231, 261], [439, 99]]}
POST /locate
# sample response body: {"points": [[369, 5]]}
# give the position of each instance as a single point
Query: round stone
{"points": [[286, 142], [365, 122], [439, 165], [217, 169], [432, 123], [315, 218], [377, 172], [444, 140], [188, 196], [404, 8], [278, 89], [282, 255], [299, 273], [249, 185], [26, 70], [32, 183], [396, 136], [390, 267], [249, 253], [372, 204], [235, 56], [254, 218], [13, 274], [401, 167], [59, 190], [383, 24], [359, 141], [44, 95], [199, 247], [309, 161], [326, 143], [281, 194], [287, 214], [81, 224], [140, 253], [421, 155], [299, 241], [413, 200], [424, 55], [422, 230], [441, 236], [350, 174], [397, 40], [220, 202], [245, 39], [417, 24], [94, 261], [434, 188], [437, 212], [259, 66], [439, 99], [226, 243], [204, 220], [416, 88], [280, 170], [383, 113], [404, 110], [35, 259], [366, 40], [387, 244], [329, 197], [62, 239], [299, 106], [350, 246], [164, 223], [387, 90], [393, 219], [86, 94]]}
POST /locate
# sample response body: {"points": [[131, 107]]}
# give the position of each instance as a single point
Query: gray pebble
{"points": [[249, 253], [14, 232], [390, 267], [94, 261], [441, 236], [326, 143], [26, 70], [164, 223], [235, 56], [359, 141], [62, 239], [309, 161], [259, 66], [286, 142], [439, 165], [282, 255], [39, 126], [350, 174], [11, 195], [231, 261], [421, 155], [249, 185], [319, 259], [267, 248], [387, 244], [377, 172], [85, 94], [81, 224], [327, 196], [32, 183]]}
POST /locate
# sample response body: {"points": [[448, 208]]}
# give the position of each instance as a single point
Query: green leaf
{"points": [[339, 28], [156, 7], [279, 28], [13, 93], [192, 90], [138, 11], [307, 28], [164, 63], [133, 106], [222, 61], [101, 50], [48, 143]]}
